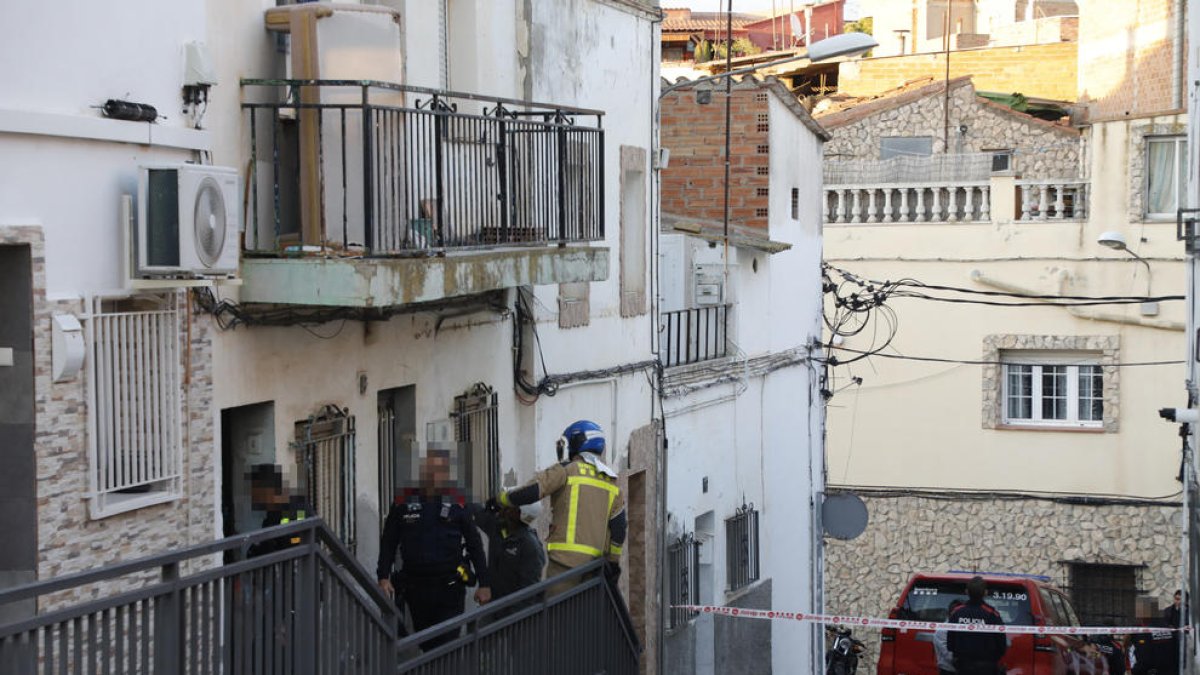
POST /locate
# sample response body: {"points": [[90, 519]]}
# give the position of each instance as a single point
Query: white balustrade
{"points": [[969, 202], [1050, 200]]}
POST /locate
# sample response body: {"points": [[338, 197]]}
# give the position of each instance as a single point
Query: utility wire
{"points": [[834, 361]]}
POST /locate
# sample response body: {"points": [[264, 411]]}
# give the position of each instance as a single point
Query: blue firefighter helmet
{"points": [[584, 436]]}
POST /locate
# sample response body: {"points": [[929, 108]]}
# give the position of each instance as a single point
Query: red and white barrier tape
{"points": [[906, 624]]}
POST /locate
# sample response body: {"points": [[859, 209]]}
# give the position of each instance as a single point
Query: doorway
{"points": [[247, 438], [397, 445], [18, 480]]}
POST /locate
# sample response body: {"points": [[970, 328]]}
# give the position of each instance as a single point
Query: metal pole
{"points": [[946, 98]]}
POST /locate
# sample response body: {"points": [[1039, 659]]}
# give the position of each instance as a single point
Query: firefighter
{"points": [[431, 528], [587, 509]]}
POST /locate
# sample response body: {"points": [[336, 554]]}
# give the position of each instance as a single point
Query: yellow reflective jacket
{"points": [[582, 500]]}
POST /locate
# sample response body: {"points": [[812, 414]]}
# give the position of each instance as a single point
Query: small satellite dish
{"points": [[844, 516]]}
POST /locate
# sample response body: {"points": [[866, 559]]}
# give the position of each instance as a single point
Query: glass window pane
{"points": [[1019, 402], [1054, 392], [1091, 394], [905, 146], [1163, 169]]}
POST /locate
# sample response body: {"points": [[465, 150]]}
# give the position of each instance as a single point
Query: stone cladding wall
{"points": [[1041, 150], [909, 533], [69, 540]]}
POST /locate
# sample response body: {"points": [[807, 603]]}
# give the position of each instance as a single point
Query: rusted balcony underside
{"points": [[389, 282]]}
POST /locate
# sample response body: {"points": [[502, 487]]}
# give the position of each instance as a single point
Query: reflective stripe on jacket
{"points": [[582, 500]]}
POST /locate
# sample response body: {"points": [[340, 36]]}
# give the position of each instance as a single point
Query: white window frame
{"points": [[135, 412], [1037, 361], [1180, 143]]}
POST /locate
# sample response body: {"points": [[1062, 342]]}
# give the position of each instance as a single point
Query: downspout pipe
{"points": [[1177, 65], [1079, 313]]}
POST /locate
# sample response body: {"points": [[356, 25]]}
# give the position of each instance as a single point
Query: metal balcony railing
{"points": [[586, 629], [373, 168], [694, 335], [306, 608]]}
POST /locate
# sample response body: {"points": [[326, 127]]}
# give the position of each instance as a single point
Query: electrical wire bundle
{"points": [[858, 304]]}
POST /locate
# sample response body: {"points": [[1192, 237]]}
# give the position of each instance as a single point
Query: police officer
{"points": [[588, 512], [1154, 652], [976, 653], [515, 555], [430, 529], [1113, 650]]}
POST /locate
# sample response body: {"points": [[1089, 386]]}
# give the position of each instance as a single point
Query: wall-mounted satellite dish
{"points": [[844, 516]]}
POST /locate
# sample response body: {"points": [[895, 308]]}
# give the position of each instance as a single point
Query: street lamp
{"points": [[846, 44], [1116, 241]]}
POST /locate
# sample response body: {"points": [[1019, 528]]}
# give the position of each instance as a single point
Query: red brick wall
{"points": [[1125, 57], [694, 180]]}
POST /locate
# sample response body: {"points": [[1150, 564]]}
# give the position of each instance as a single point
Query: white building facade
{"points": [[376, 313], [739, 336]]}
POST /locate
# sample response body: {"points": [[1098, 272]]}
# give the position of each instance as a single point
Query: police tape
{"points": [[906, 624]]}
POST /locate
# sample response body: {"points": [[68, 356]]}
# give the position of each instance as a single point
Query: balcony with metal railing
{"points": [[694, 335], [366, 193]]}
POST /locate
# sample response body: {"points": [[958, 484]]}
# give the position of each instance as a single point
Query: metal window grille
{"points": [[683, 579], [326, 444], [1102, 594], [795, 203], [134, 398], [387, 462], [477, 426], [694, 335], [741, 548]]}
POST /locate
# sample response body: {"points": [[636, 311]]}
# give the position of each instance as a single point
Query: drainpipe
{"points": [[1177, 54], [1089, 315]]}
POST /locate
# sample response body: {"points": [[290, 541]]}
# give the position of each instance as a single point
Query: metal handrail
{"points": [[499, 614], [393, 86]]}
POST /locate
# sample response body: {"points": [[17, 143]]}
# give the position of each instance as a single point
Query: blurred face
{"points": [[435, 472]]}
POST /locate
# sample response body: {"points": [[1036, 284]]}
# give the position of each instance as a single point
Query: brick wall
{"points": [[693, 183], [1044, 71], [1126, 58]]}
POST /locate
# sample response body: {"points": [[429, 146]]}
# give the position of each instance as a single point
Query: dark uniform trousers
{"points": [[431, 601]]}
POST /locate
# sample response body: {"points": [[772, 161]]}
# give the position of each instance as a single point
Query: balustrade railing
{"points": [[923, 203], [1052, 199]]}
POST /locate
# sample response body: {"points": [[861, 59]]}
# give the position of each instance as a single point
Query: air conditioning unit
{"points": [[187, 222]]}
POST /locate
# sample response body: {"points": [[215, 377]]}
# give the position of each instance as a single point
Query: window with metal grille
{"points": [[741, 548], [795, 203], [683, 579], [476, 428], [325, 445], [1104, 593], [134, 402]]}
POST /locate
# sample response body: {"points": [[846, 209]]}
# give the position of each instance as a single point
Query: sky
{"points": [[753, 6]]}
